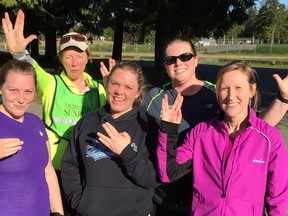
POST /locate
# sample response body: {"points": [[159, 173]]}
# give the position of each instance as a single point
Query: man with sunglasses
{"points": [[199, 104], [65, 97]]}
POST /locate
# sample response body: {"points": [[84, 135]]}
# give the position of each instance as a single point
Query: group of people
{"points": [[118, 147]]}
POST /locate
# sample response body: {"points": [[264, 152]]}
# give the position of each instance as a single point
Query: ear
{"points": [[196, 60], [138, 94], [253, 90]]}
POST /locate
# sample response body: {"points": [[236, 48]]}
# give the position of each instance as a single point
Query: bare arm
{"points": [[277, 109], [53, 185]]}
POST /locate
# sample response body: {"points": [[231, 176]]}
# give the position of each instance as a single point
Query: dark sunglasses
{"points": [[76, 37], [184, 57]]}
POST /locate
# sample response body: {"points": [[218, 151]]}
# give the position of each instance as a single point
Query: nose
{"points": [[74, 61], [21, 98], [231, 94], [178, 61]]}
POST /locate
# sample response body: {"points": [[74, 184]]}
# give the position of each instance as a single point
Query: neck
{"points": [[80, 83], [236, 126], [189, 88]]}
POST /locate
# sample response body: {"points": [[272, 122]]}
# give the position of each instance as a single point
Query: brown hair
{"points": [[180, 38], [136, 69], [19, 66]]}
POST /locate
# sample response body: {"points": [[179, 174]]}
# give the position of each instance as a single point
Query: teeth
{"points": [[118, 99], [179, 70]]}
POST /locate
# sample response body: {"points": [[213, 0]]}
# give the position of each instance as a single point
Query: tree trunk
{"points": [[163, 32], [50, 56], [118, 39]]}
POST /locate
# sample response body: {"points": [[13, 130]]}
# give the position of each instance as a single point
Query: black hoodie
{"points": [[96, 181]]}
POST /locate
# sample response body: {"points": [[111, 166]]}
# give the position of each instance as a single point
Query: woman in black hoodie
{"points": [[106, 169]]}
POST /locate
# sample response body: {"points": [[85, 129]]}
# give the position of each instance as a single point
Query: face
{"points": [[234, 94], [18, 92], [122, 91], [181, 72], [74, 62]]}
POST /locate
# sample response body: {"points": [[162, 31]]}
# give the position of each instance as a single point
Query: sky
{"points": [[280, 1], [284, 2]]}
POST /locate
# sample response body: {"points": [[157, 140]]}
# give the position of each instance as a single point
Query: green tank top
{"points": [[67, 107]]}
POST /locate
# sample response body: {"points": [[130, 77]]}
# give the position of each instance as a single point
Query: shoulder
{"points": [[33, 117], [210, 86], [272, 134], [205, 129]]}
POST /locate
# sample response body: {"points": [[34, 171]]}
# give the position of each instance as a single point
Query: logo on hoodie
{"points": [[98, 151]]}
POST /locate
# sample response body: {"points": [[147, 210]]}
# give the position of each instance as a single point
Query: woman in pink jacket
{"points": [[239, 162]]}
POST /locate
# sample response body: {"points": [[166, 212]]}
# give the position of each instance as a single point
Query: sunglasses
{"points": [[169, 60], [75, 37]]}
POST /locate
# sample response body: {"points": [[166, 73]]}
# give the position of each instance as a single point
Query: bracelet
{"points": [[279, 96]]}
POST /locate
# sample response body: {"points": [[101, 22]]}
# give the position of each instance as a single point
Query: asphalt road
{"points": [[266, 85]]}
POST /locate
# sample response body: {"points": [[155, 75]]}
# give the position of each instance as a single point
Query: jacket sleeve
{"points": [[277, 179], [71, 171], [138, 165], [169, 166], [44, 79]]}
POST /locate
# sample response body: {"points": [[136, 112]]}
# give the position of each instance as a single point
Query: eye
{"points": [[223, 88], [13, 90], [29, 91]]}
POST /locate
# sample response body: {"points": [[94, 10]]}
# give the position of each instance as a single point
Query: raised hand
{"points": [[9, 146], [104, 71], [14, 36], [282, 85], [172, 114], [115, 141]]}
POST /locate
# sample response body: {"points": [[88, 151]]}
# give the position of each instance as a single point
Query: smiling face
{"points": [[17, 92], [74, 61], [122, 90], [234, 94], [181, 72]]}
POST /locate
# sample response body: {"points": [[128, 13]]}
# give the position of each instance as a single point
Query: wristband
{"points": [[21, 56], [279, 96]]}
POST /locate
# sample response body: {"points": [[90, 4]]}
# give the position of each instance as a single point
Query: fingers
{"points": [[112, 63], [277, 78], [110, 130], [9, 146], [19, 23], [178, 102], [104, 139]]}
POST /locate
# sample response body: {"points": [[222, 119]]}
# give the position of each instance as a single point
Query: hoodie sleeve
{"points": [[138, 165], [277, 179], [173, 162], [71, 171]]}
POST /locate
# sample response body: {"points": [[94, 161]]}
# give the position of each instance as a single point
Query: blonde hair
{"points": [[245, 69]]}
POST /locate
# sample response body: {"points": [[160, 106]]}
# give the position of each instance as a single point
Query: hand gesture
{"points": [[14, 36], [9, 146], [104, 71], [282, 85], [173, 114], [115, 141]]}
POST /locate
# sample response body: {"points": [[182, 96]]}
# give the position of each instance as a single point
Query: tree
{"points": [[266, 20], [196, 19]]}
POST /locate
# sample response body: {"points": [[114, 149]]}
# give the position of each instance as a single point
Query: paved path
{"points": [[266, 85], [36, 108]]}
